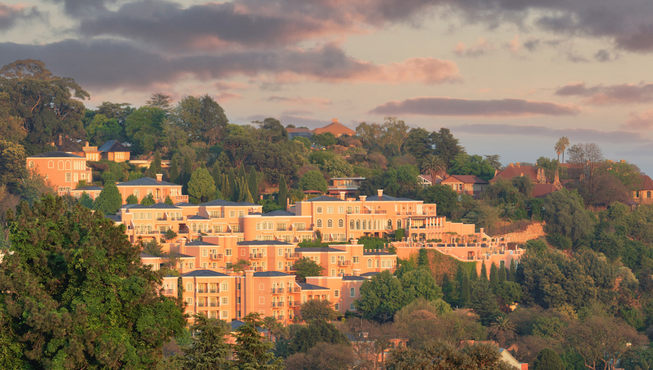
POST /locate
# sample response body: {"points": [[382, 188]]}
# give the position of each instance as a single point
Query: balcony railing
{"points": [[277, 290], [255, 255], [343, 263]]}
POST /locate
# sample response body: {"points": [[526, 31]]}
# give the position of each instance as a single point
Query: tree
{"points": [[11, 126], [144, 129], [160, 100], [418, 143], [317, 331], [560, 147], [326, 139], [109, 201], [203, 119], [313, 180], [419, 283], [433, 165], [201, 187], [322, 356], [465, 164], [306, 267], [381, 297], [566, 217], [548, 359], [317, 309], [251, 350], [445, 197], [12, 165], [131, 199], [282, 199], [446, 145], [148, 200], [208, 348], [86, 200], [90, 302]]}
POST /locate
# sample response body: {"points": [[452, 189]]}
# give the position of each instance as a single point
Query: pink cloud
{"points": [[301, 100], [640, 121], [481, 47]]}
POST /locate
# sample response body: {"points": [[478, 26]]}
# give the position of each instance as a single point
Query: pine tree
{"points": [[282, 199], [201, 186], [423, 258], [148, 200], [483, 274], [465, 292], [131, 199], [494, 276], [448, 290], [503, 274], [473, 274], [86, 200], [252, 182], [513, 271], [252, 351], [208, 349]]}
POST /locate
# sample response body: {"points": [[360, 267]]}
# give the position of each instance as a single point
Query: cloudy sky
{"points": [[508, 77]]}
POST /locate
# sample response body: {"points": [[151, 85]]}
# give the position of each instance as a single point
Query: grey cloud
{"points": [[578, 134], [604, 56], [84, 8], [462, 107], [110, 63], [609, 94], [9, 15]]}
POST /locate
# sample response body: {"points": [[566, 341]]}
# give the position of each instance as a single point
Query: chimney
{"points": [[334, 120], [362, 197], [159, 177], [379, 192], [342, 195]]}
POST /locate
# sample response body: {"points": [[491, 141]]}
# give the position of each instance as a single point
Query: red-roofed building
{"points": [[535, 174], [336, 128], [644, 192], [465, 184]]}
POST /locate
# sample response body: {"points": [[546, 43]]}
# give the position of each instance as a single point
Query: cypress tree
{"points": [[483, 272], [86, 200], [494, 276], [282, 199], [252, 181], [423, 258], [131, 199], [109, 200], [448, 290], [465, 292], [503, 274], [513, 271], [473, 274]]}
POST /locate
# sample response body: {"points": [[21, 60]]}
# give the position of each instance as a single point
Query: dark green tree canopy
{"points": [[109, 200]]}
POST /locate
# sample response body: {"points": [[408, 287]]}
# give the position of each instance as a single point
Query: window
{"points": [[50, 164], [205, 252], [189, 287], [227, 252], [389, 224], [329, 210], [355, 259], [189, 301], [68, 178], [352, 307], [333, 259], [224, 314], [352, 292], [337, 306], [341, 223], [224, 287], [319, 222], [280, 252], [369, 262], [336, 293], [225, 301], [319, 209], [330, 223]]}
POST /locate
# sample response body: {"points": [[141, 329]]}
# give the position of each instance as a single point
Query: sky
{"points": [[508, 77]]}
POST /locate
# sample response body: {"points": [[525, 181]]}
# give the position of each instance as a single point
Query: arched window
{"points": [[329, 223], [398, 224], [358, 224], [341, 223], [319, 222], [351, 224], [369, 262], [648, 194]]}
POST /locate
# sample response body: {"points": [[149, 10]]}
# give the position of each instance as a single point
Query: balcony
{"points": [[255, 255], [292, 255], [344, 263], [214, 304], [277, 290], [216, 256], [200, 304], [168, 291]]}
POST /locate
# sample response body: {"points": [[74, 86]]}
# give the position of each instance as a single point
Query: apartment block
{"points": [[62, 171]]}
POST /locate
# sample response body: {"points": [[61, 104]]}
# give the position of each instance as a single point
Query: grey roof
{"points": [[222, 202], [112, 146], [180, 255], [56, 154], [114, 218], [197, 217], [270, 273], [263, 242], [204, 273], [146, 181], [372, 273], [154, 206], [199, 242], [353, 278], [279, 212], [236, 324], [307, 286], [324, 198], [387, 198], [347, 178], [90, 188], [318, 249], [186, 204], [147, 255]]}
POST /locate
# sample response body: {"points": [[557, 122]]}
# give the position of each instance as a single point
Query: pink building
{"points": [[62, 171], [159, 189]]}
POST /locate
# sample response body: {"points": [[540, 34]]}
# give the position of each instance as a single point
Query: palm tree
{"points": [[433, 164], [502, 330], [561, 146]]}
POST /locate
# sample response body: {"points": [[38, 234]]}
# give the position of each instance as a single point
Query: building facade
{"points": [[61, 171]]}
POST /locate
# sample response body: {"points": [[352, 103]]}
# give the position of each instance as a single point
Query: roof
{"points": [[199, 242], [180, 255], [112, 146], [236, 324], [146, 181], [222, 202], [204, 273], [114, 218], [279, 212], [263, 242], [307, 286], [318, 249], [147, 255], [297, 129], [90, 188], [371, 273], [186, 204], [154, 206], [365, 253], [270, 273], [197, 217], [466, 179], [55, 155], [336, 128], [387, 198], [353, 278], [517, 170], [347, 178], [646, 183], [540, 190], [324, 198]]}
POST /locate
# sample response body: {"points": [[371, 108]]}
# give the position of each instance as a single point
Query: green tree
{"points": [[548, 359], [208, 348], [109, 201], [445, 197], [12, 165], [323, 356], [251, 349], [567, 220], [203, 119], [315, 332], [282, 199], [419, 283], [317, 309], [148, 200], [326, 139], [306, 267], [313, 180], [465, 164], [381, 297], [201, 187], [560, 147], [131, 199], [144, 129], [418, 143], [90, 302], [446, 145], [169, 201], [86, 201]]}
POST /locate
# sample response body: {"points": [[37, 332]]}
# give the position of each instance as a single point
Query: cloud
{"points": [[438, 106], [10, 14], [609, 94], [127, 65], [481, 47], [300, 100], [578, 134], [640, 121], [84, 8]]}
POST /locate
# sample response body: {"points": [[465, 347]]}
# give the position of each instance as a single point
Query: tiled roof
{"points": [[146, 181], [270, 273], [324, 198], [336, 128], [351, 278], [513, 171], [114, 218], [279, 212], [185, 204], [204, 273], [90, 188], [222, 202], [369, 274], [112, 146], [197, 217], [646, 183], [307, 286], [154, 206], [541, 190], [466, 179], [199, 242], [263, 242], [387, 198], [365, 253], [318, 249], [56, 155]]}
